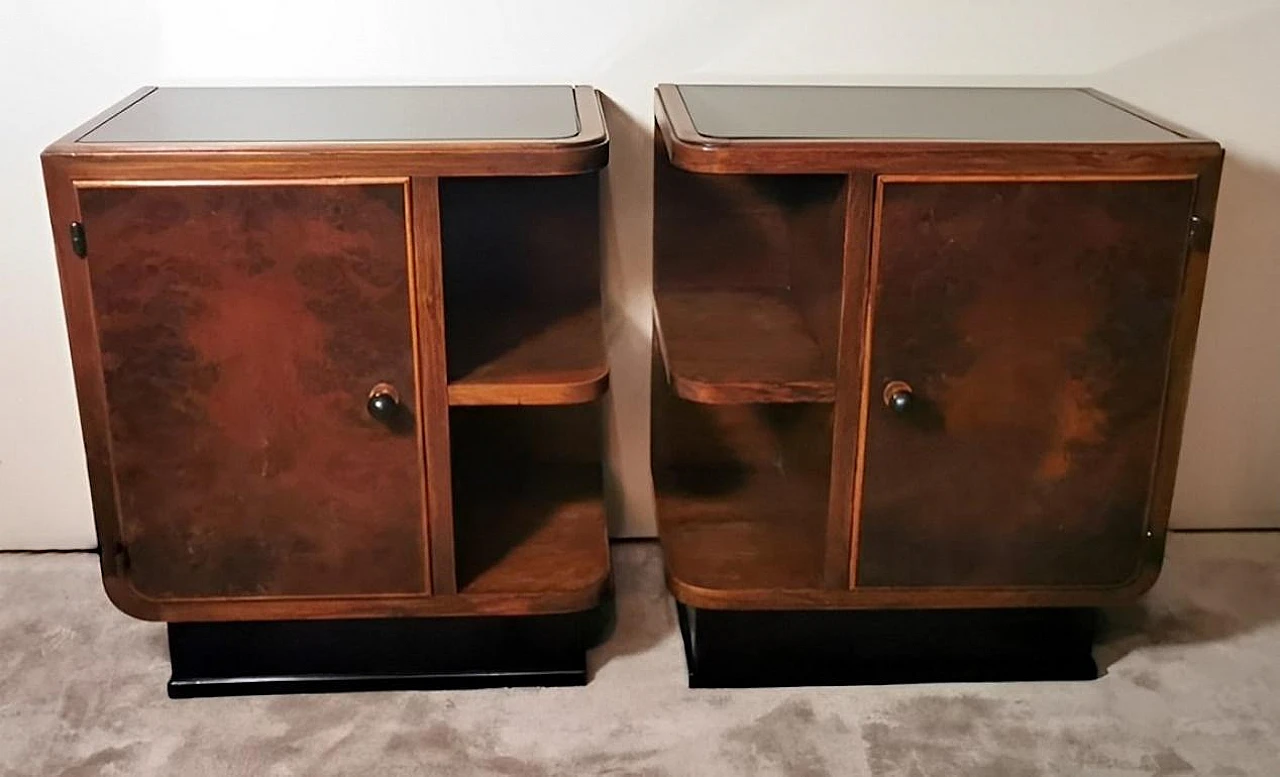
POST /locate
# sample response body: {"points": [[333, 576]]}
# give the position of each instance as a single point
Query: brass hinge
{"points": [[1199, 234], [118, 559], [78, 242]]}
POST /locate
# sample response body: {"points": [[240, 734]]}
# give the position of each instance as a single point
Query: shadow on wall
{"points": [[1231, 442], [627, 238], [1218, 83]]}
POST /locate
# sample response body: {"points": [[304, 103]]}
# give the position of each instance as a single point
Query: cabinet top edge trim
{"points": [[584, 151], [694, 151], [128, 183]]}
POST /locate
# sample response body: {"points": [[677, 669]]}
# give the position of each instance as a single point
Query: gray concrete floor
{"points": [[1192, 687]]}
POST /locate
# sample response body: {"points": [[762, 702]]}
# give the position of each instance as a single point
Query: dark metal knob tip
{"points": [[898, 396], [384, 402], [900, 402]]}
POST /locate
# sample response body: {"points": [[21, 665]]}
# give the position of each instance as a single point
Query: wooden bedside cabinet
{"points": [[337, 351], [927, 353]]}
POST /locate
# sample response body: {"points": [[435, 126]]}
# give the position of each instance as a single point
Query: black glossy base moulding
{"points": [[739, 649], [268, 657]]}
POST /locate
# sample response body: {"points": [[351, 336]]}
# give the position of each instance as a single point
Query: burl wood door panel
{"points": [[1032, 321], [241, 329]]}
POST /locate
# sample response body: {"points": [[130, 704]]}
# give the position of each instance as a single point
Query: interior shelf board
{"points": [[740, 345], [546, 534], [562, 363], [768, 534]]}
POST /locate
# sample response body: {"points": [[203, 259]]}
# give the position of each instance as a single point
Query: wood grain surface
{"points": [[747, 284], [521, 264], [241, 329], [741, 491], [1043, 309], [528, 504], [1034, 322], [231, 301]]}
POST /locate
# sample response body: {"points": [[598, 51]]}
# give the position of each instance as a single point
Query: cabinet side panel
{"points": [[241, 331], [1033, 322]]}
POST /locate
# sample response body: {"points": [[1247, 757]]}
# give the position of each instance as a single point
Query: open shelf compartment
{"points": [[742, 494], [528, 512], [521, 265], [747, 283]]}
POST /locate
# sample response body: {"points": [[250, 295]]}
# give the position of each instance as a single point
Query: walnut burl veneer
{"points": [[336, 348], [920, 347]]}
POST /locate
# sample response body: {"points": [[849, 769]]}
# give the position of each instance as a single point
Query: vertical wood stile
{"points": [[433, 400]]}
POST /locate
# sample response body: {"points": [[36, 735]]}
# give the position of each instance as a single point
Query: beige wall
{"points": [[1212, 66]]}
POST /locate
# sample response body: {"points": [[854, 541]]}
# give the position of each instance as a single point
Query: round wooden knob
{"points": [[384, 402], [898, 396]]}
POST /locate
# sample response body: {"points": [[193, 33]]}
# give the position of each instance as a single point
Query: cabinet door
{"points": [[1029, 324], [242, 328]]}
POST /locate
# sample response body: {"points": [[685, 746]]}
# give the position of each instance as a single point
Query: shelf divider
{"points": [[734, 346], [562, 363]]}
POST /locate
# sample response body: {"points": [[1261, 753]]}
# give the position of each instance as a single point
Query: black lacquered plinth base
{"points": [[270, 657], [740, 649]]}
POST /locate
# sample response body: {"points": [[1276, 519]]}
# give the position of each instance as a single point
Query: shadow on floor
{"points": [[644, 614], [1208, 592]]}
